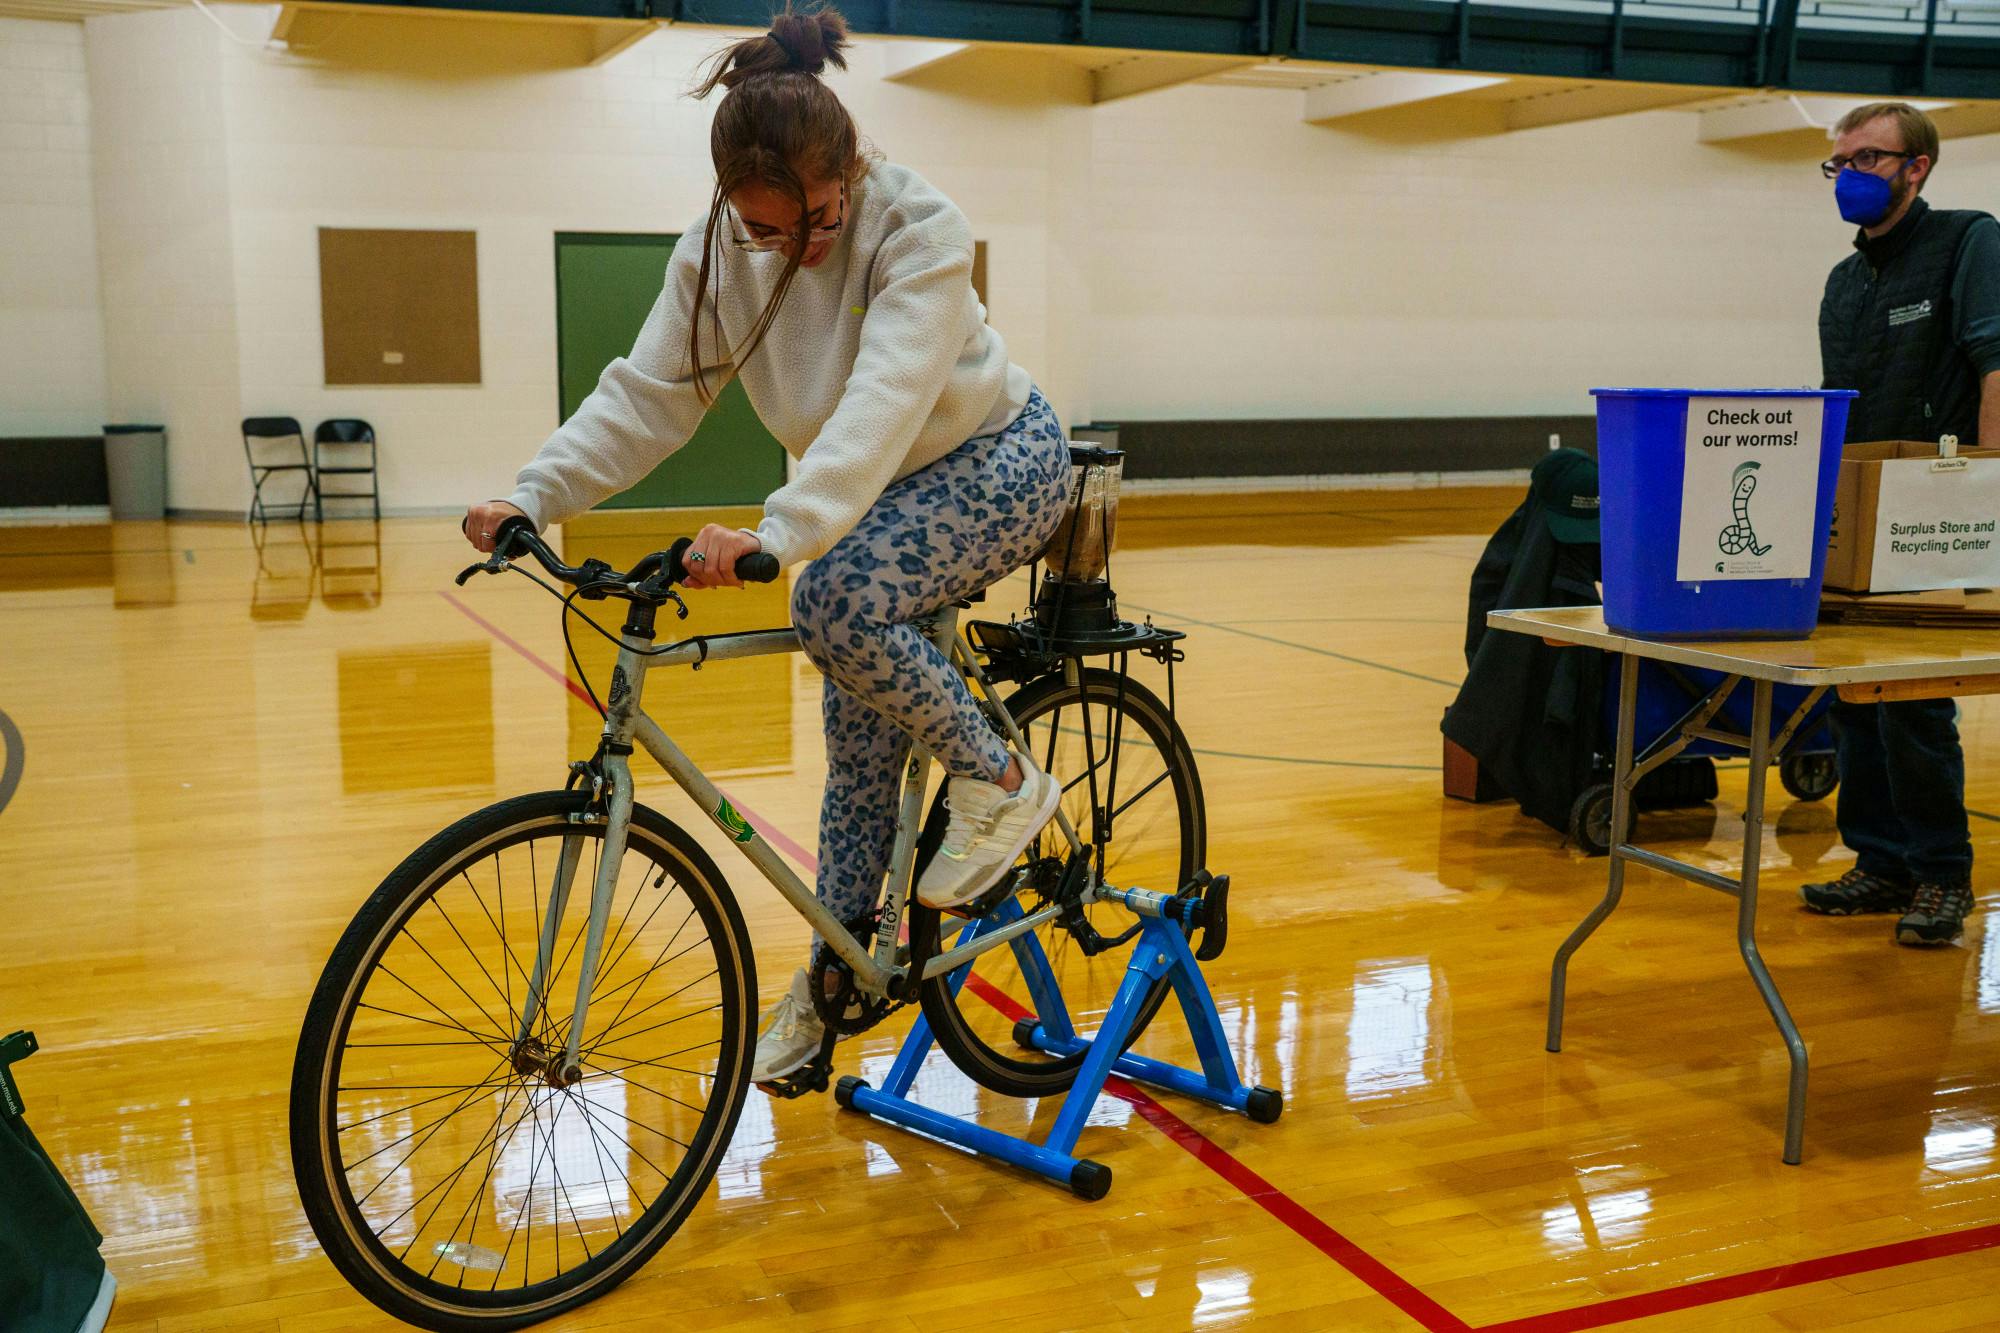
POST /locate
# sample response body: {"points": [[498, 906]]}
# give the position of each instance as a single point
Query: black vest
{"points": [[1885, 328]]}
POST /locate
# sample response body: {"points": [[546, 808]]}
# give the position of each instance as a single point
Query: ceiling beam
{"points": [[608, 39], [1595, 101], [1783, 115], [901, 60], [1380, 91], [1145, 74]]}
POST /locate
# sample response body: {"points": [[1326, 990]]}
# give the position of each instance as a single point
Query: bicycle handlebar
{"points": [[648, 580]]}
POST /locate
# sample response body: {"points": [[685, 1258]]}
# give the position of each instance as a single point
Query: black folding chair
{"points": [[347, 437], [266, 450]]}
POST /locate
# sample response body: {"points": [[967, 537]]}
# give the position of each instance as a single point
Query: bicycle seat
{"points": [[966, 603]]}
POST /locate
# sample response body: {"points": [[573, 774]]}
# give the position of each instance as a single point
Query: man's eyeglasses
{"points": [[1866, 160], [779, 240]]}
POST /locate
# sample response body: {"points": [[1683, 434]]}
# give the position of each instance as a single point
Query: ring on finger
{"points": [[697, 558]]}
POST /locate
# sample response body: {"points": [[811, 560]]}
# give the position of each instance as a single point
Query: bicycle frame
{"points": [[626, 722]]}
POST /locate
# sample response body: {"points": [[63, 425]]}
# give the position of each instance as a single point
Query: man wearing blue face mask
{"points": [[1912, 321]]}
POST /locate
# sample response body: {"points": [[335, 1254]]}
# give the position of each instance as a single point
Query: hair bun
{"points": [[811, 40], [799, 42]]}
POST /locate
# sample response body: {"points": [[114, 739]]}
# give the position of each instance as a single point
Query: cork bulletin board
{"points": [[979, 274], [399, 307]]}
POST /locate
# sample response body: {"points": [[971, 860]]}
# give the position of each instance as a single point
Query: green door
{"points": [[606, 284]]}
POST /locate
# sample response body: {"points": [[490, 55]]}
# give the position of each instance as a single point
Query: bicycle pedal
{"points": [[812, 1076], [985, 902]]}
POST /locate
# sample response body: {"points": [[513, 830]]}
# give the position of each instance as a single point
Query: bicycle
{"points": [[442, 1089]]}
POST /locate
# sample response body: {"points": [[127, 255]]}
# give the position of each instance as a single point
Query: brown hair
{"points": [[779, 126], [1919, 132]]}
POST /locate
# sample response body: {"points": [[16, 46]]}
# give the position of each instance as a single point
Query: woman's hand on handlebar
{"points": [[482, 521], [711, 559]]}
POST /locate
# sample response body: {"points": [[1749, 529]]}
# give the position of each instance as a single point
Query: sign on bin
{"points": [[1716, 504], [1749, 489]]}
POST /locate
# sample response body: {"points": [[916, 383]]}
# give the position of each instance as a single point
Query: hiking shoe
{"points": [[1937, 914], [789, 1034], [990, 827], [1854, 893]]}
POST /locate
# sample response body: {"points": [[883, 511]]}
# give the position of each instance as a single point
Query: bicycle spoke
{"points": [[641, 1087], [668, 1055], [342, 1129], [432, 1022], [605, 1034], [500, 933], [483, 970], [613, 936], [470, 1098], [627, 1145], [396, 977], [655, 1064], [610, 1204], [490, 1143], [619, 957], [696, 1013], [659, 960], [477, 1007]]}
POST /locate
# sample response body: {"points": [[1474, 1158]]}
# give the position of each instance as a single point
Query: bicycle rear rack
{"points": [[1161, 950]]}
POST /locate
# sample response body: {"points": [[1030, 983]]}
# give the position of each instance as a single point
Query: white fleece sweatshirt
{"points": [[879, 363]]}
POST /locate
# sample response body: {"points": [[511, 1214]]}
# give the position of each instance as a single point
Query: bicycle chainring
{"points": [[837, 996]]}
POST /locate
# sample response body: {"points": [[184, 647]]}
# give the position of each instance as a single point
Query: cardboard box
{"points": [[1905, 519]]}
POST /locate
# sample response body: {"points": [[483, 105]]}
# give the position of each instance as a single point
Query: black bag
{"points": [[51, 1277], [1528, 712]]}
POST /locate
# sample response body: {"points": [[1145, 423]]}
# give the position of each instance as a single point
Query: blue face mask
{"points": [[1864, 199]]}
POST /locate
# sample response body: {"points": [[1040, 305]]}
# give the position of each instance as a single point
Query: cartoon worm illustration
{"points": [[1739, 536]]}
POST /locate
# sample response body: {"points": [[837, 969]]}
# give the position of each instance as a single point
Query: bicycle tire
{"points": [[345, 1229], [978, 1025]]}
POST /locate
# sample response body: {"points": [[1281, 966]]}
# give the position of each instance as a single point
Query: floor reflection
{"points": [[1592, 1221], [1391, 1044], [287, 572], [416, 718], [350, 563]]}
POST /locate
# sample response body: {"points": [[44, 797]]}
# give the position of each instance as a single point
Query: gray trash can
{"points": [[135, 466]]}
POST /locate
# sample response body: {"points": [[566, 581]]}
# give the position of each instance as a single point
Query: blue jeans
{"points": [[1902, 790]]}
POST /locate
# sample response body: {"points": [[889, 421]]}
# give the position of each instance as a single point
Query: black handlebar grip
{"points": [[504, 534], [758, 567]]}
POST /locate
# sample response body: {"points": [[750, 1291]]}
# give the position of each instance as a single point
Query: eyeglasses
{"points": [[1866, 160], [779, 240]]}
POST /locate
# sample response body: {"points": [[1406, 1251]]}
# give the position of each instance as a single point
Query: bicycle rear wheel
{"points": [[1132, 792], [451, 1172]]}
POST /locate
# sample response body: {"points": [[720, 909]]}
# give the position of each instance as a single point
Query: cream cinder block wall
{"points": [[165, 246], [51, 334], [1250, 264], [430, 123]]}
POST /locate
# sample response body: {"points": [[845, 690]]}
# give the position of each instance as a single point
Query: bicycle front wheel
{"points": [[1131, 791], [454, 1170]]}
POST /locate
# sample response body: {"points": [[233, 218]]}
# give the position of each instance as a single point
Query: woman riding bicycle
{"points": [[838, 288]]}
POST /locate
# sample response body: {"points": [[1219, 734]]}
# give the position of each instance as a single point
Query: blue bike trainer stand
{"points": [[1161, 951]]}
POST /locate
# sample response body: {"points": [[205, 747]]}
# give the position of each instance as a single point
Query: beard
{"points": [[1901, 191]]}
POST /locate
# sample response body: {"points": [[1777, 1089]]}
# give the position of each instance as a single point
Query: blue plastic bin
{"points": [[1641, 441]]}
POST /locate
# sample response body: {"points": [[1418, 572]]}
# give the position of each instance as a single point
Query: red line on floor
{"points": [[561, 678], [1375, 1274], [1739, 1285], [776, 837], [771, 832]]}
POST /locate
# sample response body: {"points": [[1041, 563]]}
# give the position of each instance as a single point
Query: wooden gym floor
{"points": [[225, 748]]}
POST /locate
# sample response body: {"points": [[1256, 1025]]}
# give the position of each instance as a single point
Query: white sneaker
{"points": [[990, 827], [789, 1034]]}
